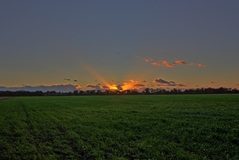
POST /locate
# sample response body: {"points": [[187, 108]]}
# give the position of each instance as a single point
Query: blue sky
{"points": [[45, 42]]}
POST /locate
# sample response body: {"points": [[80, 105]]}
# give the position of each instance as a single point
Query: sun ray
{"points": [[94, 72]]}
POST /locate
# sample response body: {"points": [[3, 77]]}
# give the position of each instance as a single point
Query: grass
{"points": [[120, 127]]}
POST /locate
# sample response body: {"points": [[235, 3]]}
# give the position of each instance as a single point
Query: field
{"points": [[120, 127]]}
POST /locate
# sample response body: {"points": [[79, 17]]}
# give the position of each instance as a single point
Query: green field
{"points": [[120, 127]]}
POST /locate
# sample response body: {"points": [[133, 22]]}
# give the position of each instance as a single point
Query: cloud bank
{"points": [[57, 88]]}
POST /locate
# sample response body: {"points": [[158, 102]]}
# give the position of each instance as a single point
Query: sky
{"points": [[119, 44]]}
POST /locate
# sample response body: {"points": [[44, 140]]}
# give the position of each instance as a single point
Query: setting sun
{"points": [[113, 87]]}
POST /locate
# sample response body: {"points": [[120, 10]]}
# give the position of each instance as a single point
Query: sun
{"points": [[113, 87]]}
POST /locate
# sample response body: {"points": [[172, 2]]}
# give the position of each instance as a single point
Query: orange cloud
{"points": [[159, 63], [132, 84], [156, 64], [201, 65], [170, 65], [180, 62], [167, 64], [78, 87]]}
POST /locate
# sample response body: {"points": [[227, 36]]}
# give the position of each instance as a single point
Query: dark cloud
{"points": [[68, 79], [139, 85], [94, 86], [182, 85], [161, 82], [119, 87], [213, 82], [57, 88], [105, 87]]}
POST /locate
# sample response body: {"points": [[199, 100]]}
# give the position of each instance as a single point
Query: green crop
{"points": [[120, 127]]}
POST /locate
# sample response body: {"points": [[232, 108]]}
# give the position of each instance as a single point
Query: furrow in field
{"points": [[30, 128], [69, 139]]}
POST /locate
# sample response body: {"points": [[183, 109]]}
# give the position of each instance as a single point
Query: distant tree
{"points": [[98, 92], [75, 92], [147, 91]]}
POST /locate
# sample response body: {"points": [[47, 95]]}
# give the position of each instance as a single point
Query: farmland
{"points": [[120, 127]]}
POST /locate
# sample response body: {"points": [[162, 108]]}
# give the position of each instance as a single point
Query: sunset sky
{"points": [[119, 44]]}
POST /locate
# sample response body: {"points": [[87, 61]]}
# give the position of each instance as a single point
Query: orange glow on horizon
{"points": [[78, 87], [113, 87], [127, 85]]}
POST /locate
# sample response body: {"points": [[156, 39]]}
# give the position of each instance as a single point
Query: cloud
{"points": [[94, 86], [181, 85], [139, 85], [167, 64], [162, 82], [201, 65], [159, 80], [180, 62], [119, 87], [105, 87], [213, 82], [170, 65], [148, 60], [57, 88], [162, 63], [157, 64], [78, 87], [68, 79], [132, 84]]}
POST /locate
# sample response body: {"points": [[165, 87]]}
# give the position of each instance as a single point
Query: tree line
{"points": [[146, 91]]}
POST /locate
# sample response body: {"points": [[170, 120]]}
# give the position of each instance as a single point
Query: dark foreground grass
{"points": [[120, 127]]}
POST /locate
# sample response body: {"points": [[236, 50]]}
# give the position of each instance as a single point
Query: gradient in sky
{"points": [[119, 43]]}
